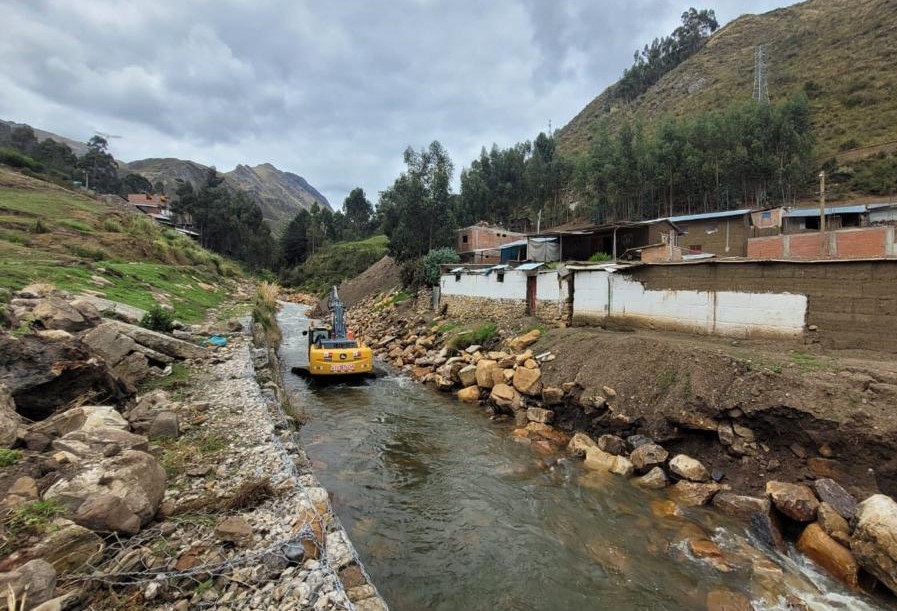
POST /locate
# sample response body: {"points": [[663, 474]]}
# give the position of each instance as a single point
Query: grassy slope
{"points": [[337, 262], [845, 48], [50, 234]]}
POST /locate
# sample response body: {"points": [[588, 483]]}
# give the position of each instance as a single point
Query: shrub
{"points": [[264, 310], [601, 256], [16, 159], [158, 319], [112, 226], [9, 457], [85, 252], [34, 517], [38, 226]]}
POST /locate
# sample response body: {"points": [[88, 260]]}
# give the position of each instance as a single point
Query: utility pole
{"points": [[822, 212]]}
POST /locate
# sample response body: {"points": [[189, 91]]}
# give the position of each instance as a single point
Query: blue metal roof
{"points": [[706, 216], [807, 212]]}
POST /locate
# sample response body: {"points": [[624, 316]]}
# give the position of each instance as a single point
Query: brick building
{"points": [[481, 243]]}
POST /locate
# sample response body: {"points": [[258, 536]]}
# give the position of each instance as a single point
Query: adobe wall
{"points": [[853, 303], [716, 242]]}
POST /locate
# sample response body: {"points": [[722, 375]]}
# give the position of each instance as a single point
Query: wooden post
{"points": [[822, 213]]}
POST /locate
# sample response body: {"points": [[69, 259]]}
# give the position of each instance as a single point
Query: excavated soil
{"points": [[813, 413]]}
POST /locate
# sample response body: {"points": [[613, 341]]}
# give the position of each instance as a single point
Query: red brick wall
{"points": [[485, 237], [806, 246], [766, 248], [861, 243]]}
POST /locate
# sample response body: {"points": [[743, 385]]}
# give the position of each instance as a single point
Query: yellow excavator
{"points": [[333, 350]]}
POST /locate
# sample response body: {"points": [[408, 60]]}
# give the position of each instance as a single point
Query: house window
{"points": [[457, 277], [766, 216], [711, 227], [695, 248], [464, 239], [500, 277]]}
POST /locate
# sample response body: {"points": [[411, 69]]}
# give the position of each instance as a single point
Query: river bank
{"points": [[724, 458], [183, 487]]}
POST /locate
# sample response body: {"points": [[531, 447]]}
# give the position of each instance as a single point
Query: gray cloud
{"points": [[333, 91]]}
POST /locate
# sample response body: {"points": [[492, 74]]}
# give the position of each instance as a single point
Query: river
{"points": [[448, 510]]}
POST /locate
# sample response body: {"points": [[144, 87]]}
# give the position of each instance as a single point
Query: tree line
{"points": [[96, 169]]}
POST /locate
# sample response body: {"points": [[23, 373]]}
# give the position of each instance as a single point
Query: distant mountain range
{"points": [[279, 194]]}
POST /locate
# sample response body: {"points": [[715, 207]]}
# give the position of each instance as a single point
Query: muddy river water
{"points": [[448, 510]]}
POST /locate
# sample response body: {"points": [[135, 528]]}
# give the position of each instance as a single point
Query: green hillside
{"points": [[54, 235], [840, 52], [336, 262]]}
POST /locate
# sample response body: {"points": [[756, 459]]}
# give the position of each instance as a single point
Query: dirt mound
{"points": [[381, 277]]}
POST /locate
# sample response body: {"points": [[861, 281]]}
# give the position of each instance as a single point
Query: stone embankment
{"points": [[854, 541], [144, 470]]}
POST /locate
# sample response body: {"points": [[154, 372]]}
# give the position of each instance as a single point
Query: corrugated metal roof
{"points": [[543, 240], [807, 212], [529, 266], [706, 216], [513, 244], [457, 270]]}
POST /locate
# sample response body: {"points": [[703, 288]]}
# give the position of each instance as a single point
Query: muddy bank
{"points": [[764, 430]]}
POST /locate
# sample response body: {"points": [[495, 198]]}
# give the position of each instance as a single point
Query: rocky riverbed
{"points": [[515, 377], [143, 470]]}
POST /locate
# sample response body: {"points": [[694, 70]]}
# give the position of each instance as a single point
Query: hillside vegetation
{"points": [[839, 52], [50, 234], [335, 263]]}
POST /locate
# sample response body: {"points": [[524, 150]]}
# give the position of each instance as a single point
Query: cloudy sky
{"points": [[333, 91]]}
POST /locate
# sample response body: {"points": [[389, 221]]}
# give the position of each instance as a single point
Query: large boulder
{"points": [[484, 372], [106, 513], [506, 396], [467, 375], [539, 414], [528, 381], [56, 313], [69, 547], [831, 492], [828, 553], [527, 339], [874, 538], [599, 460], [136, 477], [647, 456], [469, 394], [693, 493], [96, 442], [159, 342], [794, 500], [36, 577], [580, 444], [84, 418], [689, 468], [9, 419], [43, 376], [654, 479]]}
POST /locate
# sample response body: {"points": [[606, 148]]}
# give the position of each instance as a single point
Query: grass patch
{"points": [[805, 362], [77, 225], [176, 379], [446, 327], [34, 517], [86, 252], [666, 379], [475, 336], [178, 455], [334, 263], [9, 457]]}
